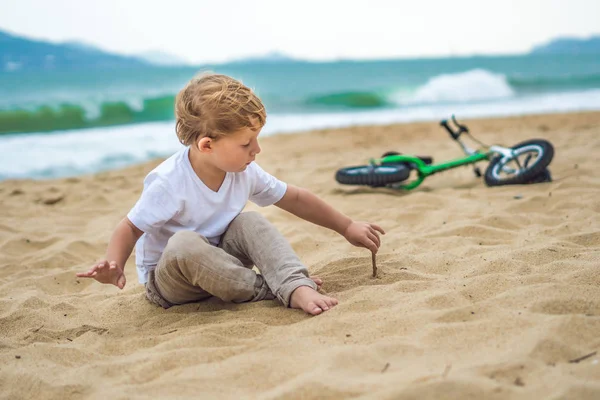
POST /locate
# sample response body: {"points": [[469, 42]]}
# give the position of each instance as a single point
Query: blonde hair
{"points": [[214, 105]]}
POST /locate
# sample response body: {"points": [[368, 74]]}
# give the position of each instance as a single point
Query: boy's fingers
{"points": [[121, 282], [377, 228], [373, 238], [373, 231], [98, 268], [370, 245], [91, 270]]}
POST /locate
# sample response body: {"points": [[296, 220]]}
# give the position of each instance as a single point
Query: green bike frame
{"points": [[424, 170]]}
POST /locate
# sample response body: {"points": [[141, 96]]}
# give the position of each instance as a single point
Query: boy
{"points": [[193, 241]]}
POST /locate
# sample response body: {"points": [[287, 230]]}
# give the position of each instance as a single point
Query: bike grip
{"points": [[444, 123]]}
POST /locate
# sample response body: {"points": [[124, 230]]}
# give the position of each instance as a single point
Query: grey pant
{"points": [[190, 269]]}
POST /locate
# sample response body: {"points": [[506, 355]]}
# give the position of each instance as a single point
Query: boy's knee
{"points": [[187, 237], [185, 243]]}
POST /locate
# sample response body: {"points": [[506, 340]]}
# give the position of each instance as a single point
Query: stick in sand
{"points": [[374, 262]]}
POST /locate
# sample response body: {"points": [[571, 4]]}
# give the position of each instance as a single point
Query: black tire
{"points": [[527, 169], [372, 175], [390, 153], [544, 176]]}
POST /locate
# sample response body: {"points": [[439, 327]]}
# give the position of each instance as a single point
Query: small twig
{"points": [[385, 368], [576, 360], [448, 367], [38, 329], [374, 262]]}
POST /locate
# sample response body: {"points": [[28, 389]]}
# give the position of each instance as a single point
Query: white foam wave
{"points": [[79, 152], [469, 86]]}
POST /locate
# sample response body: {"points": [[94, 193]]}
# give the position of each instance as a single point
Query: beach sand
{"points": [[482, 292]]}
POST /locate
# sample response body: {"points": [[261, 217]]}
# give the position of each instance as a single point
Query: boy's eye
{"points": [[246, 145]]}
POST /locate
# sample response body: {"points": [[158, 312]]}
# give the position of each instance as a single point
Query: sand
{"points": [[482, 292]]}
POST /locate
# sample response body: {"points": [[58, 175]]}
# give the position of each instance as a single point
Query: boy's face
{"points": [[233, 153]]}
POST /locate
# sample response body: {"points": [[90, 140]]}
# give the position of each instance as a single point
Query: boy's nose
{"points": [[257, 149]]}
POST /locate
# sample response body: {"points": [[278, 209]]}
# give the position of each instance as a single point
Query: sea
{"points": [[67, 123]]}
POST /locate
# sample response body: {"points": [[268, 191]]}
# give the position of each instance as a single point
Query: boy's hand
{"points": [[105, 272], [364, 234]]}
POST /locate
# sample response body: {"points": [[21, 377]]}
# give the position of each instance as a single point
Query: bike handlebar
{"points": [[454, 134], [462, 128]]}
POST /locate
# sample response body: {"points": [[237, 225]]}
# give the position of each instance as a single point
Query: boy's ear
{"points": [[205, 144]]}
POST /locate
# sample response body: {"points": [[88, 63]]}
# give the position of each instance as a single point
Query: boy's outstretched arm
{"points": [[308, 206], [111, 269]]}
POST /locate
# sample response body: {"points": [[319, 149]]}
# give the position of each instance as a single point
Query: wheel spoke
{"points": [[518, 164]]}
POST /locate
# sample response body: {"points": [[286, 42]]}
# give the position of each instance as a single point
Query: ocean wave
{"points": [[475, 86], [85, 115], [471, 86], [350, 100], [78, 152]]}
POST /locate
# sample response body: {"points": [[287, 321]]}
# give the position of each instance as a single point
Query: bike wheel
{"points": [[529, 159], [372, 175]]}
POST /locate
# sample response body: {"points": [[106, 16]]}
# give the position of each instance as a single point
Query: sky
{"points": [[215, 31]]}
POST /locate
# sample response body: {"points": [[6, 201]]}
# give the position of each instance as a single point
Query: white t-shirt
{"points": [[175, 199]]}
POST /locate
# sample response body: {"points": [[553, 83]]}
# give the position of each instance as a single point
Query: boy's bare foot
{"points": [[311, 301]]}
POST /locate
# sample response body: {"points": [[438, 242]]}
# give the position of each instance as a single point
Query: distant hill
{"points": [[19, 53], [77, 45], [273, 57], [153, 57], [569, 46], [162, 58]]}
